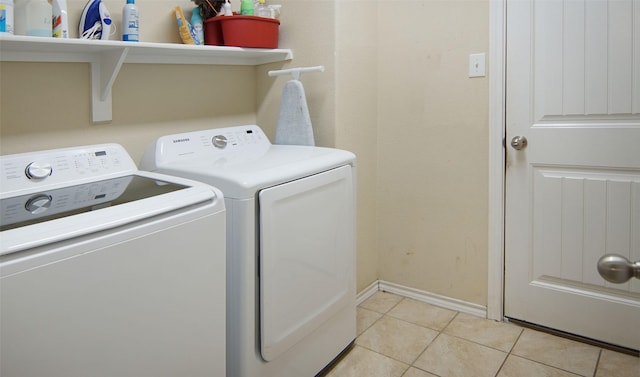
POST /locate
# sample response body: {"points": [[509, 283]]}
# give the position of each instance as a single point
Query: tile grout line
{"points": [[502, 365], [517, 340], [430, 343], [423, 351], [451, 320], [509, 352], [397, 303], [595, 370], [371, 325], [423, 326], [382, 354]]}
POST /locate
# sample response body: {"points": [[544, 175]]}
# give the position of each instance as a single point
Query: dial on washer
{"points": [[37, 170], [37, 204]]}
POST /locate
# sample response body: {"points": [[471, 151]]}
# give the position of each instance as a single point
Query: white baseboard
{"points": [[367, 292], [428, 297]]}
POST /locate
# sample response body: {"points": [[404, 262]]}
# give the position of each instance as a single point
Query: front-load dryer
{"points": [[108, 271], [290, 245]]}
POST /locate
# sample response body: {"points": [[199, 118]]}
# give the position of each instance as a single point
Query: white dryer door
{"points": [[307, 256]]}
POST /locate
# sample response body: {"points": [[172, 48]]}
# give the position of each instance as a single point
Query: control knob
{"points": [[38, 170], [220, 141], [38, 204]]}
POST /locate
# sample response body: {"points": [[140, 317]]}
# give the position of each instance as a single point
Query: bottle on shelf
{"points": [[60, 24], [246, 7], [130, 22], [6, 16], [226, 8], [262, 10], [33, 17], [198, 28]]}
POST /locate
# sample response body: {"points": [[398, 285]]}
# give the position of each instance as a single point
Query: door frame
{"points": [[497, 155]]}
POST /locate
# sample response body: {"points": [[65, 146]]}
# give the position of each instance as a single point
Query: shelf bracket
{"points": [[104, 70]]}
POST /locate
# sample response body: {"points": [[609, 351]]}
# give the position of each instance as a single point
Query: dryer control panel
{"points": [[247, 140], [241, 137], [62, 167]]}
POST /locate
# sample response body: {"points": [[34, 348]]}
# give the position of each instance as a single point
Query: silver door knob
{"points": [[519, 142], [617, 269]]}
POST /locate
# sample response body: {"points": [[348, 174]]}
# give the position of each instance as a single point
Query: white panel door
{"points": [[307, 257], [573, 193]]}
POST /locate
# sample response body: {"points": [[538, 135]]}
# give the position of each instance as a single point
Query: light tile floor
{"points": [[402, 337]]}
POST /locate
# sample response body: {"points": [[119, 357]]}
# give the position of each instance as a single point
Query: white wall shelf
{"points": [[106, 58]]}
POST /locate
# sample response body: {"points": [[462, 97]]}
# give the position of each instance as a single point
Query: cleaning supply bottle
{"points": [[227, 8], [60, 19], [246, 7], [33, 17], [130, 22], [274, 9], [196, 22], [262, 10], [6, 16], [187, 34]]}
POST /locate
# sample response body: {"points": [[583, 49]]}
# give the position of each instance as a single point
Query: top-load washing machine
{"points": [[291, 245], [108, 271]]}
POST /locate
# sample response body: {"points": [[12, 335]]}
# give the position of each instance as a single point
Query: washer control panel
{"points": [[63, 166], [29, 207], [37, 170]]}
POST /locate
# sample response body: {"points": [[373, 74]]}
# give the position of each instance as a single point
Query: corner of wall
{"points": [[356, 117]]}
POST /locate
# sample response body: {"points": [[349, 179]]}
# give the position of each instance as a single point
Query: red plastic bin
{"points": [[242, 31], [213, 31]]}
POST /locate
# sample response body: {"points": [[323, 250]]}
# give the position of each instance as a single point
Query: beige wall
{"points": [[308, 28], [432, 147], [395, 92], [357, 118]]}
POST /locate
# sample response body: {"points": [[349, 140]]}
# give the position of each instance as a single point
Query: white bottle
{"points": [[227, 8], [130, 22], [262, 10], [33, 17], [6, 16], [60, 23]]}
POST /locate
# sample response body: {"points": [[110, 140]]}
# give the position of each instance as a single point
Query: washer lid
{"points": [[35, 208], [48, 216]]}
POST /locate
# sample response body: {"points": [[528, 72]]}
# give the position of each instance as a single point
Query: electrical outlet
{"points": [[476, 65]]}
